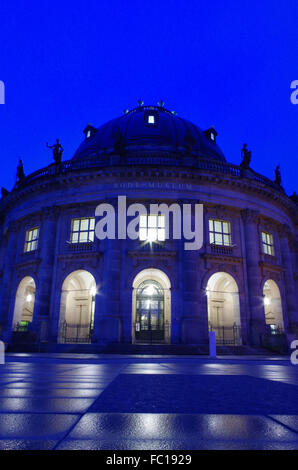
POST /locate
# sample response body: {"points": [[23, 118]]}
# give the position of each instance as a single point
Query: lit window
{"points": [[152, 228], [88, 134], [212, 136], [31, 240], [82, 230], [268, 246], [151, 119], [220, 232]]}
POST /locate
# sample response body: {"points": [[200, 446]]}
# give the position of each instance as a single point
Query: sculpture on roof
{"points": [[57, 151], [277, 175], [294, 197], [4, 192], [246, 157], [20, 171]]}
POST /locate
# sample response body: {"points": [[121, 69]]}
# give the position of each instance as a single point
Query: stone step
{"points": [[142, 349]]}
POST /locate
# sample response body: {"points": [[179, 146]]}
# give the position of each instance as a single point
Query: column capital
{"points": [[250, 215], [51, 212]]}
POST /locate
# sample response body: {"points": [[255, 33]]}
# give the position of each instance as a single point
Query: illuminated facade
{"points": [[61, 284]]}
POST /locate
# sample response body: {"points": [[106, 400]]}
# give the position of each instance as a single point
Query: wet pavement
{"points": [[80, 401]]}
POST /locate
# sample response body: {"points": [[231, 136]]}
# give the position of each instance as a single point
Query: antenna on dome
{"points": [[125, 111], [174, 112], [140, 102], [161, 104]]}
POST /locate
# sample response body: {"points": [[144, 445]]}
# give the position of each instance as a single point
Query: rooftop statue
{"points": [[277, 175], [294, 197], [57, 151], [4, 192], [20, 171], [246, 157]]}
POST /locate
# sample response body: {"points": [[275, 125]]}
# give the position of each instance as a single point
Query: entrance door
{"points": [[149, 326]]}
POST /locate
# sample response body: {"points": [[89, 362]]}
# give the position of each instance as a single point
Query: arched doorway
{"points": [[24, 304], [77, 308], [272, 306], [151, 313], [224, 308]]}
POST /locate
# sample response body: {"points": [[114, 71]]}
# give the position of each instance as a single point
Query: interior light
{"points": [[93, 291], [151, 119], [29, 298], [266, 301]]}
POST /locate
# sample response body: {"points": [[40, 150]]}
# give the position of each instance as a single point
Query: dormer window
{"points": [[89, 131], [151, 117], [211, 135]]}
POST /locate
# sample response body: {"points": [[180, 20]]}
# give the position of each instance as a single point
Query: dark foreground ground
{"points": [[59, 401]]}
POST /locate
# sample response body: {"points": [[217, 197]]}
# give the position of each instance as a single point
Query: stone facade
{"points": [[52, 197]]}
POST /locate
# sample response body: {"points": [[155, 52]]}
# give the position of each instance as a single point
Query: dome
{"points": [[149, 130]]}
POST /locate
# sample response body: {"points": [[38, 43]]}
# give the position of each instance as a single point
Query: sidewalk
{"points": [[60, 401]]}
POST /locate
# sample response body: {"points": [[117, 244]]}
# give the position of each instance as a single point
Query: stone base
{"points": [[108, 329], [193, 331], [256, 332]]}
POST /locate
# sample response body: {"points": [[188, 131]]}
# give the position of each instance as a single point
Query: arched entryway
{"points": [[224, 308], [77, 307], [151, 307], [272, 306], [24, 304]]}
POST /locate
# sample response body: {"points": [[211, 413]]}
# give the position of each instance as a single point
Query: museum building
{"points": [[60, 283]]}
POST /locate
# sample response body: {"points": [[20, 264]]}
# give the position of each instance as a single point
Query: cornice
{"points": [[159, 173]]}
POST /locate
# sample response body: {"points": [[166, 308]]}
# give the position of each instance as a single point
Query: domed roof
{"points": [[149, 130]]}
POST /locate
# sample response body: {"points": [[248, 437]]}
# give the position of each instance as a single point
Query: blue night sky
{"points": [[222, 63]]}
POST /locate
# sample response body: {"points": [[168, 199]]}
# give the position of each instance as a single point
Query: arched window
{"points": [[272, 306], [224, 308], [151, 307], [24, 304], [77, 308]]}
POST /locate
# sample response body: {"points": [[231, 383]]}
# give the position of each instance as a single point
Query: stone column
{"points": [[6, 287], [255, 296], [47, 240], [291, 294], [191, 322], [109, 326]]}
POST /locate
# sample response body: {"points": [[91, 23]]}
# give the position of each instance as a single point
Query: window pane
{"points": [[143, 221], [91, 236], [152, 221], [84, 224], [211, 225], [161, 234], [211, 237], [75, 225], [218, 239], [161, 221], [152, 234], [264, 236], [226, 227], [143, 234], [92, 224], [217, 226], [74, 237], [83, 237], [227, 241]]}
